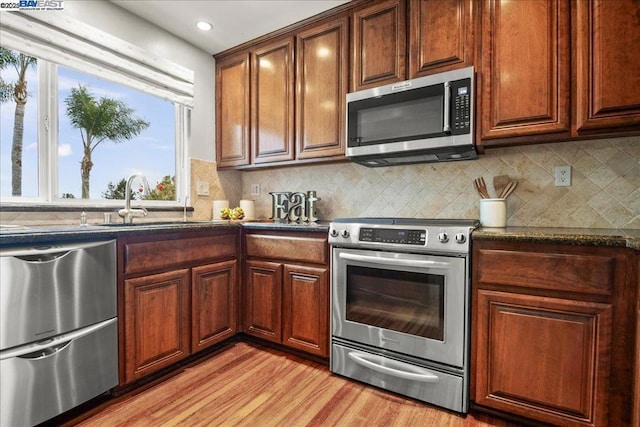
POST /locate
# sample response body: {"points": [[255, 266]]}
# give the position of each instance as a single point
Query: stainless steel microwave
{"points": [[428, 119]]}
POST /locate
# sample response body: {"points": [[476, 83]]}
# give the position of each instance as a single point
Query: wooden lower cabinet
{"points": [[178, 295], [543, 358], [263, 296], [286, 290], [636, 394], [553, 327], [214, 295], [305, 311], [157, 322]]}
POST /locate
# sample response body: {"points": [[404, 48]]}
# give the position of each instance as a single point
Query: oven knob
{"points": [[345, 233], [461, 238], [443, 237], [334, 233]]}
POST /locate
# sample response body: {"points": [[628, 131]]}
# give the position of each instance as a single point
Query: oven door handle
{"points": [[393, 367], [420, 263]]}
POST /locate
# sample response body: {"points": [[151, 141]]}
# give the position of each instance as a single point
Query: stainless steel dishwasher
{"points": [[58, 329]]}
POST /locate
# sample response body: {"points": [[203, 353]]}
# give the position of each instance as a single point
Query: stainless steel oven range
{"points": [[400, 306]]}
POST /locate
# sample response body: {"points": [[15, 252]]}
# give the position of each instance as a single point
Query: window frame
{"points": [[47, 119]]}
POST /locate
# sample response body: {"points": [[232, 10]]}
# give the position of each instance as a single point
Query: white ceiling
{"points": [[234, 21]]}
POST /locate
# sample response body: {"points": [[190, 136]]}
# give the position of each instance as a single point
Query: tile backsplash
{"points": [[604, 191]]}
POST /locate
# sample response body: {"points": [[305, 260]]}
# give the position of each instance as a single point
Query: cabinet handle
{"points": [[393, 367]]}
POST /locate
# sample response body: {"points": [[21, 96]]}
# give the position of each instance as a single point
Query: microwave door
{"points": [[396, 117]]}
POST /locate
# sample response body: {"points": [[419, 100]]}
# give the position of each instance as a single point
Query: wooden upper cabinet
{"points": [[321, 88], [272, 98], [378, 44], [607, 65], [441, 35], [524, 71], [232, 111]]}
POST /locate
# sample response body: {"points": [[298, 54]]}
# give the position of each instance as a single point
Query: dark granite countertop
{"points": [[575, 236], [572, 236], [320, 227], [28, 235]]}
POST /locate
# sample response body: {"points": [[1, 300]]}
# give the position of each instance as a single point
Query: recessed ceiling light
{"points": [[204, 26]]}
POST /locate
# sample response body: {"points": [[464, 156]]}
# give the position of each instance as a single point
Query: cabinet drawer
{"points": [[304, 249], [150, 255], [570, 272]]}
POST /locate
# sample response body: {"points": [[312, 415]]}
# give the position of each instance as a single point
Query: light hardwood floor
{"points": [[250, 385]]}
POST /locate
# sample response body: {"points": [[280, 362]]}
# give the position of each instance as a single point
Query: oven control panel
{"points": [[433, 237], [396, 236]]}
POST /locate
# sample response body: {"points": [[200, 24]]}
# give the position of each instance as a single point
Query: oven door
{"points": [[408, 303]]}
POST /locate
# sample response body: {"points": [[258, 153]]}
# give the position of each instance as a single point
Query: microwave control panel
{"points": [[461, 106]]}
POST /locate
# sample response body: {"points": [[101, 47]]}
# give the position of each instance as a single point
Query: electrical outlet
{"points": [[563, 176], [255, 189], [202, 188]]}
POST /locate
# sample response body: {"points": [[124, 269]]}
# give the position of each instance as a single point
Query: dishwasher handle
{"points": [[49, 252], [51, 346]]}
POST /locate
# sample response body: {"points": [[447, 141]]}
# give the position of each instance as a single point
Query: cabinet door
{"points": [[214, 303], [543, 358], [441, 36], [157, 322], [263, 300], [636, 393], [524, 73], [306, 309], [272, 98], [607, 64], [321, 88], [379, 44], [232, 111]]}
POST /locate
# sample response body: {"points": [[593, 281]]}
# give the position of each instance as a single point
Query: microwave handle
{"points": [[446, 127]]}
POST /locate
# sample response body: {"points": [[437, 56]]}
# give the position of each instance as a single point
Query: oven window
{"points": [[401, 301]]}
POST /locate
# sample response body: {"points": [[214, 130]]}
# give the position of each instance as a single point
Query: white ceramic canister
{"points": [[249, 208], [218, 205], [493, 212]]}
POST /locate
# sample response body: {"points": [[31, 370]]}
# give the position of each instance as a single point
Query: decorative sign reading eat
{"points": [[298, 207]]}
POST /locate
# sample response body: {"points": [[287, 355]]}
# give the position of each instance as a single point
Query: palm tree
{"points": [[99, 120], [21, 63]]}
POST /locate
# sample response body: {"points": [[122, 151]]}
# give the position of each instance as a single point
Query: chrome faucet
{"points": [[129, 213], [184, 212]]}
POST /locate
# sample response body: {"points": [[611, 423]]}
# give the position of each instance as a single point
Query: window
{"points": [[152, 151], [18, 125], [97, 110]]}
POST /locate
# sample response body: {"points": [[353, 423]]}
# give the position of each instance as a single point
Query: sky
{"points": [[152, 152]]}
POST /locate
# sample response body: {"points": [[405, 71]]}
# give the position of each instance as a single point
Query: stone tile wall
{"points": [[604, 193], [605, 190]]}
